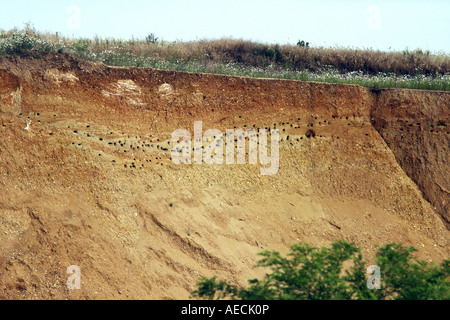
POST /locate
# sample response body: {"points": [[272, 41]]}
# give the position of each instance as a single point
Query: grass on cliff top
{"points": [[375, 69]]}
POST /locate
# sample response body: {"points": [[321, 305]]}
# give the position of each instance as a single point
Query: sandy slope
{"points": [[91, 185]]}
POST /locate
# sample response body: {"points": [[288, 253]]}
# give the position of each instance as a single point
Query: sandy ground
{"points": [[89, 181]]}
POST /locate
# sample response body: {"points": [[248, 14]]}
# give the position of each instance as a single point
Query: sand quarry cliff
{"points": [[86, 176]]}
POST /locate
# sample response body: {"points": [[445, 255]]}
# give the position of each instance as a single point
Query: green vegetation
{"points": [[414, 69], [337, 273]]}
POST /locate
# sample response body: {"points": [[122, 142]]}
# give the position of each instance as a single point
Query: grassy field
{"points": [[415, 69]]}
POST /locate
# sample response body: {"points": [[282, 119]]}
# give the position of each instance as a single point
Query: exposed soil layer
{"points": [[415, 126], [86, 176]]}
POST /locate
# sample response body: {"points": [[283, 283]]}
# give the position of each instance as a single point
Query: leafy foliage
{"points": [[303, 44], [21, 43], [369, 68], [151, 38], [407, 278], [336, 273]]}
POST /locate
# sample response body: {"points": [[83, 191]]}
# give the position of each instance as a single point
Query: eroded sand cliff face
{"points": [[91, 183], [415, 126]]}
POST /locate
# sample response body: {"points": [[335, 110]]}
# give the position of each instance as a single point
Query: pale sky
{"points": [[376, 24]]}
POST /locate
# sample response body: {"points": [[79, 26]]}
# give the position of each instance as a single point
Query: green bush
{"points": [[270, 53], [302, 43], [82, 49], [309, 273], [151, 38], [22, 42]]}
